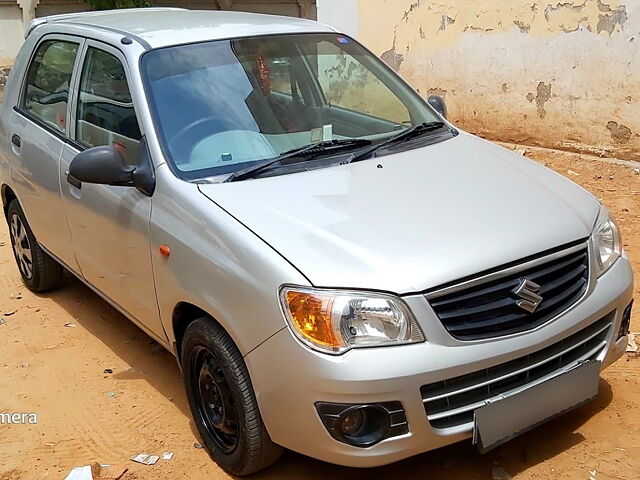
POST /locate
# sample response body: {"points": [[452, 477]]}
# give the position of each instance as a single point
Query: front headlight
{"points": [[334, 321], [607, 241]]}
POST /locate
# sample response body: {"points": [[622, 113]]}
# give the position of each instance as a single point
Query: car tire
{"points": [[39, 271], [223, 402]]}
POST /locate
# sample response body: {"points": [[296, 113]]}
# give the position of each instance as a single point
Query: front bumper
{"points": [[289, 378]]}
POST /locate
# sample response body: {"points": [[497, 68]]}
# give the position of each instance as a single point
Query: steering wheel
{"points": [[51, 98], [182, 143]]}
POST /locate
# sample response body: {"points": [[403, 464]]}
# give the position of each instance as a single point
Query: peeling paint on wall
{"points": [[523, 27], [619, 133], [446, 20], [536, 18], [440, 92], [393, 58], [576, 61], [543, 94], [610, 21]]}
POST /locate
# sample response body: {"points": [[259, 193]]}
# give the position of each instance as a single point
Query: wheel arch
{"points": [[185, 313], [8, 195]]}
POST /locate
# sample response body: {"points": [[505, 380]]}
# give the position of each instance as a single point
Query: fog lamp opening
{"points": [[625, 324], [363, 426]]}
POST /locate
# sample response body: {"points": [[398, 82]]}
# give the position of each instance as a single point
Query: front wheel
{"points": [[223, 402], [39, 271]]}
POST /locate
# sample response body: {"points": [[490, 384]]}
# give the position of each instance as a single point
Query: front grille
{"points": [[450, 403], [487, 306]]}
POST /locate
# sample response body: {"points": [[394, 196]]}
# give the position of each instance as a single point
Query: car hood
{"points": [[414, 220]]}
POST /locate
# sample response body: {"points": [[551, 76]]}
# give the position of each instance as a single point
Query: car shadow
{"points": [[148, 360], [151, 362]]}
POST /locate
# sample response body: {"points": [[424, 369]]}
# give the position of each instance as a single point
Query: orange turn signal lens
{"points": [[311, 316], [334, 321]]}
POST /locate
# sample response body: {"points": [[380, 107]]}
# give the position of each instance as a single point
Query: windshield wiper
{"points": [[306, 151], [406, 134]]}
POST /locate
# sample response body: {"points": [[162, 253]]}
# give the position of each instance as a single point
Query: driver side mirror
{"points": [[437, 103], [105, 165]]}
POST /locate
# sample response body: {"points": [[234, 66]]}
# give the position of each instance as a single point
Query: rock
{"points": [[112, 472]]}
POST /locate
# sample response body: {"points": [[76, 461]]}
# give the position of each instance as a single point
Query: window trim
{"points": [[73, 104], [19, 107]]}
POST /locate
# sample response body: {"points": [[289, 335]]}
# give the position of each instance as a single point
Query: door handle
{"points": [[15, 139], [73, 180]]}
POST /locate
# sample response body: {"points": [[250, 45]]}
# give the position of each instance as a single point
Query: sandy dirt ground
{"points": [[85, 415]]}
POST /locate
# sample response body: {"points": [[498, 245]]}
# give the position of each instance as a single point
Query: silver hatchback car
{"points": [[338, 270]]}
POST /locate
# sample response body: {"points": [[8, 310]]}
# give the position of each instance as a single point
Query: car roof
{"points": [[160, 27]]}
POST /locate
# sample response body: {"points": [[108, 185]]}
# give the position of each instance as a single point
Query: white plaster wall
{"points": [[562, 73], [340, 14], [11, 32]]}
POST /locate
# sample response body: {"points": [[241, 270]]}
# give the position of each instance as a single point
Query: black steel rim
{"points": [[215, 404]]}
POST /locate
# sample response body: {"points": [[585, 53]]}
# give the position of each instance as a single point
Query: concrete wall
{"points": [[54, 7], [562, 74], [11, 32]]}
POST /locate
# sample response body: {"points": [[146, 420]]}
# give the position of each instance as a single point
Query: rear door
{"points": [[38, 129], [110, 225]]}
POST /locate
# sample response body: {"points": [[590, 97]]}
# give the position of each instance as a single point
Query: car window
{"points": [[48, 78], [222, 106], [105, 110], [349, 84], [283, 78]]}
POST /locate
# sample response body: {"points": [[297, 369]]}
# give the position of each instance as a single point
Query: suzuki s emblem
{"points": [[528, 292]]}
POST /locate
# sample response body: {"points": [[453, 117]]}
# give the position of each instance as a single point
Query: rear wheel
{"points": [[39, 271], [223, 402]]}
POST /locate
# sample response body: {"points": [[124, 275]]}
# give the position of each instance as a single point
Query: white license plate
{"points": [[510, 416]]}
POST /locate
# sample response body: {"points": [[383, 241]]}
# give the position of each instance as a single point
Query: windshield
{"points": [[226, 105]]}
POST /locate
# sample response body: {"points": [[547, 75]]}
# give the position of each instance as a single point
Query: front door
{"points": [[110, 225]]}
